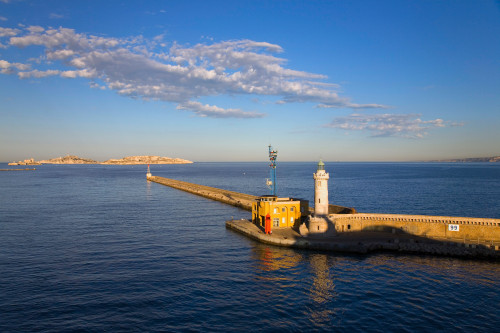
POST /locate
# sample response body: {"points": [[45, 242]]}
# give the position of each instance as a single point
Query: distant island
{"points": [[129, 160], [147, 160], [473, 159]]}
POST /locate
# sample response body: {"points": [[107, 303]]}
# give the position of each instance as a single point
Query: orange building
{"points": [[283, 212]]}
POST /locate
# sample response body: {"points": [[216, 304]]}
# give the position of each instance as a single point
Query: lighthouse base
{"points": [[318, 226]]}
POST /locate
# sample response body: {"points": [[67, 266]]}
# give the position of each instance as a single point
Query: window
{"points": [[275, 210], [276, 222], [292, 209], [319, 200], [283, 209], [283, 220], [291, 219]]}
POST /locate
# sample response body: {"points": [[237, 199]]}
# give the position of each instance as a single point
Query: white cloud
{"points": [[4, 64], [56, 16], [205, 110], [9, 68], [37, 73], [389, 125], [355, 106], [179, 74], [97, 86], [60, 54], [3, 18], [81, 73], [7, 32], [35, 28]]}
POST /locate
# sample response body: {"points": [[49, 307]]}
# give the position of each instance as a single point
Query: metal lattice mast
{"points": [[273, 154]]}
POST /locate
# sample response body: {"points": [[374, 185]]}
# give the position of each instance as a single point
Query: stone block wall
{"points": [[457, 229]]}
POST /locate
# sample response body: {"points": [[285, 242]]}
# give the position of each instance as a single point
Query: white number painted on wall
{"points": [[453, 227]]}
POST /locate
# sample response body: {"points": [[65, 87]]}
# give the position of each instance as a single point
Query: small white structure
{"points": [[148, 174], [319, 224], [321, 190]]}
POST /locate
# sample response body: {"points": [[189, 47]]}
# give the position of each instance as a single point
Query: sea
{"points": [[98, 248]]}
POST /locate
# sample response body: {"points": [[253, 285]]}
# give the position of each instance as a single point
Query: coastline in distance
{"points": [[72, 159], [472, 159]]}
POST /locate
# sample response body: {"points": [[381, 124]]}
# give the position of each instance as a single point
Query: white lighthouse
{"points": [[319, 223], [321, 190]]}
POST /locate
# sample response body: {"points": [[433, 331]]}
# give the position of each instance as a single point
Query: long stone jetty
{"points": [[362, 233], [237, 199]]}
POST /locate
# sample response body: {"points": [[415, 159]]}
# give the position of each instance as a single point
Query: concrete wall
{"points": [[458, 229]]}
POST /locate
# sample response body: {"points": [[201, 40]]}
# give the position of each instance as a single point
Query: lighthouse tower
{"points": [[319, 223], [321, 190]]}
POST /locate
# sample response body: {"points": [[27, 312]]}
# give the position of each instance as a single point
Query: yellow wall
{"points": [[460, 229], [286, 211]]}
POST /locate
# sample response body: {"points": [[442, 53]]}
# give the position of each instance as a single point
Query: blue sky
{"points": [[220, 80]]}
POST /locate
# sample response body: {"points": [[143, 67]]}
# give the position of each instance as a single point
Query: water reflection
{"points": [[149, 195], [310, 273], [322, 290], [274, 258], [328, 288], [276, 272]]}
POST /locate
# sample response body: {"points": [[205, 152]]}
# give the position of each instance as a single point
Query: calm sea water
{"points": [[97, 248]]}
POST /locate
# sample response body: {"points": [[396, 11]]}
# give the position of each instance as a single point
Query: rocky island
{"points": [[129, 160], [69, 159], [147, 160], [30, 161]]}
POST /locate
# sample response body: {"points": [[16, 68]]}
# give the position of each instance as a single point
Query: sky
{"points": [[221, 80]]}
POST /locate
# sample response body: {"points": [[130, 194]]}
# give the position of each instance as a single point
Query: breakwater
{"points": [[362, 232], [363, 242], [469, 231], [26, 169], [237, 199]]}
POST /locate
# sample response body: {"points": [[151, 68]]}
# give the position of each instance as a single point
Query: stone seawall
{"points": [[466, 230], [443, 235], [362, 242], [237, 199]]}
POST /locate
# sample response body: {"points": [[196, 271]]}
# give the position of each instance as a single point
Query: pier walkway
{"points": [[237, 199]]}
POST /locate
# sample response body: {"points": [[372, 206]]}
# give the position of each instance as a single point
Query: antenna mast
{"points": [[271, 183]]}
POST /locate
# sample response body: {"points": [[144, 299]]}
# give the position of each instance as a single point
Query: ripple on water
{"points": [[132, 256]]}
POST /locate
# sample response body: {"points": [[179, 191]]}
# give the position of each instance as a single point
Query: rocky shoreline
{"points": [[129, 160]]}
